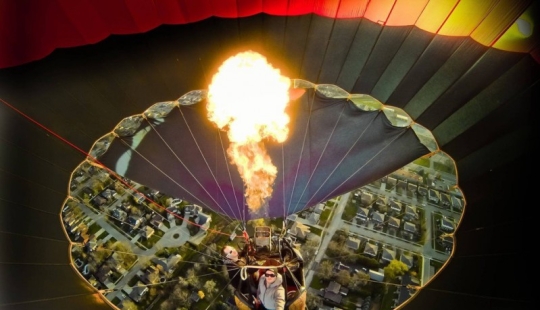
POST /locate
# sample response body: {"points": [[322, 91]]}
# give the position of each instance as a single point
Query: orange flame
{"points": [[248, 97]]}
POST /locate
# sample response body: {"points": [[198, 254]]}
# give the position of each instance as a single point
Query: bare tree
{"points": [[313, 301], [129, 305], [358, 280], [343, 277], [325, 270], [180, 296], [192, 278], [210, 288]]}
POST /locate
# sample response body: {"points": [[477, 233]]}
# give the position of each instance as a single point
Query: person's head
{"points": [[271, 275], [230, 252]]}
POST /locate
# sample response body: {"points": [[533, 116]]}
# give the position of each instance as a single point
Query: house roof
{"points": [[340, 266], [395, 222], [333, 287], [202, 218], [381, 200], [168, 263], [410, 227], [148, 231], [376, 275], [396, 205], [366, 197], [335, 297], [319, 208], [411, 210], [377, 216], [388, 254], [447, 224], [313, 218], [156, 219], [407, 260], [353, 243], [300, 230], [362, 212], [370, 249]]}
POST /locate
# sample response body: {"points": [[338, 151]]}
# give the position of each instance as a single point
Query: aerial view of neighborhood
{"points": [[371, 248]]}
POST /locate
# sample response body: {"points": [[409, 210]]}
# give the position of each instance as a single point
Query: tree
{"points": [[309, 248], [210, 287], [97, 186], [358, 280], [394, 269], [192, 278], [180, 296], [129, 305], [325, 270], [343, 277], [257, 222], [182, 282], [313, 301]]}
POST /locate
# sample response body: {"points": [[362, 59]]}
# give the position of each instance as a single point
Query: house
{"points": [[339, 266], [405, 293], [114, 261], [313, 218], [395, 205], [370, 249], [434, 196], [156, 221], [299, 230], [167, 265], [99, 201], [410, 211], [90, 244], [87, 191], [353, 243], [137, 292], [109, 194], [445, 200], [134, 221], [119, 214], [147, 232], [447, 240], [126, 206], [138, 197], [366, 199], [391, 182], [203, 220], [457, 203], [409, 227], [381, 201], [362, 213], [292, 217], [331, 293], [394, 222], [103, 274], [150, 275], [407, 260], [376, 275], [422, 191], [195, 296], [447, 224], [173, 213], [411, 187], [401, 184], [319, 208], [377, 217], [388, 255], [193, 209]]}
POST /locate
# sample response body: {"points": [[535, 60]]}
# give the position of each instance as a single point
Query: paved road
{"points": [[330, 229], [425, 250], [174, 236]]}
